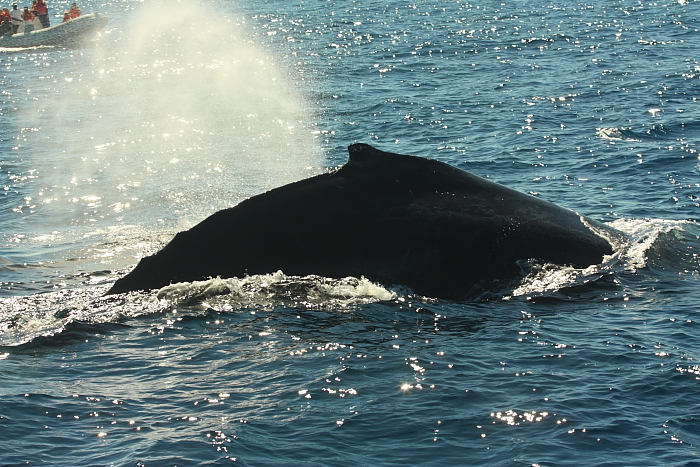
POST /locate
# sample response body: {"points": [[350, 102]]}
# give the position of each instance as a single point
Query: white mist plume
{"points": [[180, 109]]}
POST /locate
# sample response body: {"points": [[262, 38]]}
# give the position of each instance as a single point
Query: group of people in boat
{"points": [[13, 21]]}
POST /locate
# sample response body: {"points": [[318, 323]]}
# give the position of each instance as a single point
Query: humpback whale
{"points": [[394, 219]]}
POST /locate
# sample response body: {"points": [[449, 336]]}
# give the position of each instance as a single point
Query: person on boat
{"points": [[28, 18], [42, 11], [5, 14], [5, 25], [16, 16], [66, 17], [74, 11]]}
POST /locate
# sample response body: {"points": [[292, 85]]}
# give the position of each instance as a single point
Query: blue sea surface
{"points": [[178, 110]]}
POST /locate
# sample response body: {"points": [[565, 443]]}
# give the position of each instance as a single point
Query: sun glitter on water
{"points": [[177, 111]]}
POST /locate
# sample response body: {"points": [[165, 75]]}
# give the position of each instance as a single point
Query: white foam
{"points": [[643, 235], [277, 289]]}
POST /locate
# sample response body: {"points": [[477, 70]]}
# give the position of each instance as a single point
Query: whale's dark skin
{"points": [[392, 218]]}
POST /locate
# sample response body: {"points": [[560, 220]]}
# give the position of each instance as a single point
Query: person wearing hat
{"points": [[16, 16]]}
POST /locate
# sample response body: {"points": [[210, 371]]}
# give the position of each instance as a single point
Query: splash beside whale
{"points": [[392, 218]]}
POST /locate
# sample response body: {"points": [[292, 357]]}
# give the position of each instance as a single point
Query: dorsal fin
{"points": [[364, 155]]}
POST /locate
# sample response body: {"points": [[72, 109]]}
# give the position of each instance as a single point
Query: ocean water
{"points": [[179, 109]]}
